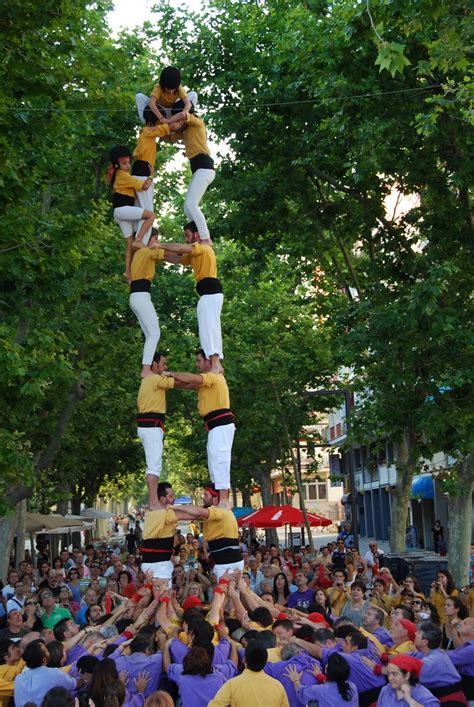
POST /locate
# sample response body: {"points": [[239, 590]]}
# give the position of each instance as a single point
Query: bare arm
{"points": [[179, 248], [193, 379], [189, 512], [172, 258], [166, 655]]}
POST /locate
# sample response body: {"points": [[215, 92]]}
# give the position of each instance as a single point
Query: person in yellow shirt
{"points": [[168, 97], [142, 272], [214, 408], [253, 686], [151, 413], [126, 214], [201, 257], [193, 134]]}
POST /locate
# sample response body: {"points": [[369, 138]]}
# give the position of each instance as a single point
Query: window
{"points": [[315, 491]]}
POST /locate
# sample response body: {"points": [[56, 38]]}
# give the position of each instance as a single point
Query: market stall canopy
{"points": [[278, 516], [42, 523], [96, 513]]}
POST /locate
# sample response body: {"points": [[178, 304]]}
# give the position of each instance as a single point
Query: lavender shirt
{"points": [[437, 670], [137, 663], [463, 658], [327, 694], [178, 651], [302, 662], [384, 637], [194, 690], [388, 697], [361, 675]]}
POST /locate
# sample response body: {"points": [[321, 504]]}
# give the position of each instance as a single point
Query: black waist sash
{"points": [[217, 418], [467, 682], [449, 695], [201, 161], [225, 550], [150, 419], [157, 549], [208, 286], [142, 285], [369, 697], [122, 200]]}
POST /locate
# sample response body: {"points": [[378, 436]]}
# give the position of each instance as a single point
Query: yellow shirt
{"points": [[160, 524], [146, 145], [438, 599], [6, 691], [9, 672], [194, 137], [220, 524], [202, 260], [167, 99], [405, 647], [144, 263], [126, 184], [337, 599], [152, 393], [251, 688], [213, 394]]}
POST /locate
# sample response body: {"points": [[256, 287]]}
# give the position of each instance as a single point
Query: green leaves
{"points": [[391, 57]]}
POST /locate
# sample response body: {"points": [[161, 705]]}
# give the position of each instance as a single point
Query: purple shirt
{"points": [[384, 637], [388, 697], [301, 600], [178, 651], [463, 658], [327, 694], [137, 663], [73, 655], [361, 675], [194, 690], [437, 670], [302, 662]]}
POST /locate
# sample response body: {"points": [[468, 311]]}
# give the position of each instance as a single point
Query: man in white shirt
{"points": [[373, 557], [17, 601]]}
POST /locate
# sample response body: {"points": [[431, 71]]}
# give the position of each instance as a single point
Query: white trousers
{"points": [[161, 570], [219, 451], [220, 570], [141, 101], [152, 440], [144, 199], [209, 308], [198, 185], [127, 218], [144, 310]]}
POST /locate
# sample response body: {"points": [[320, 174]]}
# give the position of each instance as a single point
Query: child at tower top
{"points": [[168, 97]]}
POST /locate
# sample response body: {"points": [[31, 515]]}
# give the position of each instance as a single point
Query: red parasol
{"points": [[278, 516]]}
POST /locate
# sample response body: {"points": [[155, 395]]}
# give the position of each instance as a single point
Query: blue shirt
{"points": [[388, 697], [33, 683], [196, 691], [463, 658]]}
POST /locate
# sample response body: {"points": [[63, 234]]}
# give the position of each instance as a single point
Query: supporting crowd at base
{"points": [[331, 628]]}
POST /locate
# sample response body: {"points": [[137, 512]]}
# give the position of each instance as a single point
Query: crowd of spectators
{"points": [[330, 627]]}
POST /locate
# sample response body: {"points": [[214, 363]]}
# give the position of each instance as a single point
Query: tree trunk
{"points": [[20, 533], [406, 468], [246, 502], [7, 532], [46, 459], [460, 521], [264, 479]]}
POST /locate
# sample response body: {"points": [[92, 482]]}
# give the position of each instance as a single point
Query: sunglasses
{"points": [[417, 601]]}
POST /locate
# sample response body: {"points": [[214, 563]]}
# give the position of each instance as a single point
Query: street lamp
{"points": [[347, 405]]}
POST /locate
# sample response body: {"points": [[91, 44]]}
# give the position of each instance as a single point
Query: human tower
{"points": [[169, 115]]}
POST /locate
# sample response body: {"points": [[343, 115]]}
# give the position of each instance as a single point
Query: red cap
{"points": [[317, 618], [409, 627], [190, 602], [408, 663]]}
